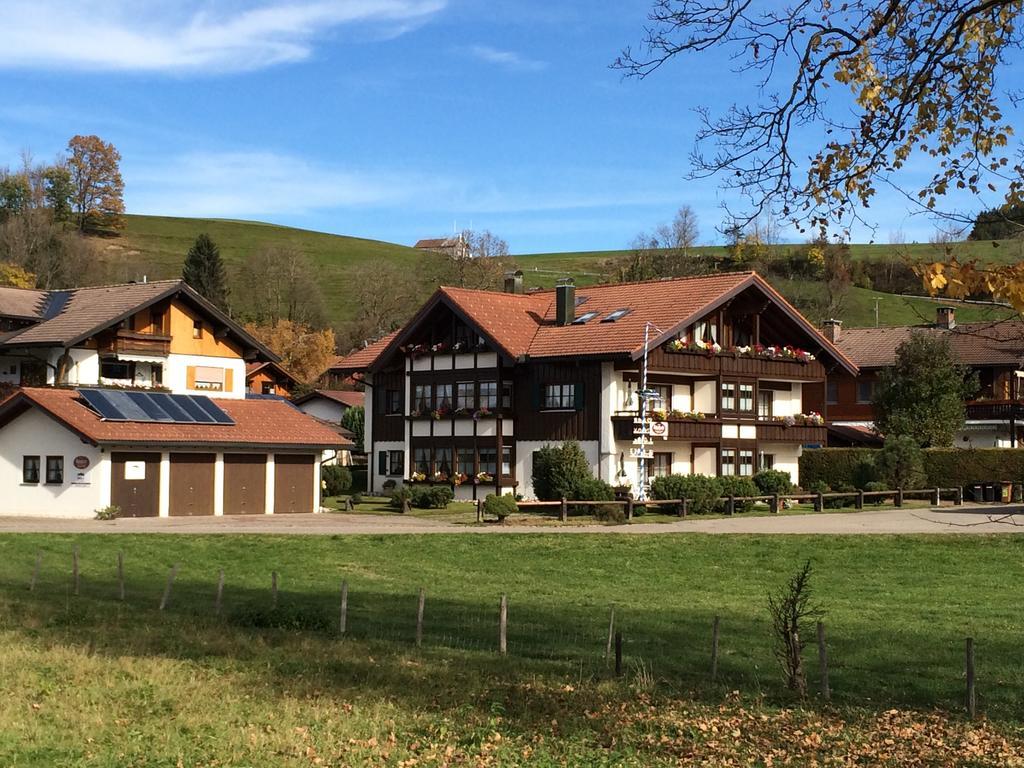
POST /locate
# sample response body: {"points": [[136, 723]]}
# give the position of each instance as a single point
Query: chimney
{"points": [[832, 329], [945, 317], [514, 281], [565, 301]]}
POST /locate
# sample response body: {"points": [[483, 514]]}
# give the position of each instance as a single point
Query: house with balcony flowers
{"points": [[478, 381]]}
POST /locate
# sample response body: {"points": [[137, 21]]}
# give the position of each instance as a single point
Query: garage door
{"points": [[293, 483], [192, 484], [245, 483], [135, 483]]}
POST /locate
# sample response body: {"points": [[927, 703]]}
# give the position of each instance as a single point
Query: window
{"points": [[466, 458], [443, 394], [728, 461], [464, 395], [506, 394], [209, 378], [382, 462], [157, 370], [156, 321], [54, 470], [746, 463], [197, 329], [743, 331], [396, 465], [559, 396], [866, 390], [506, 460], [115, 369], [661, 465], [832, 392], [268, 388], [663, 402], [392, 402], [618, 314], [443, 461], [747, 398], [421, 460], [30, 469], [421, 398], [765, 404], [489, 460], [767, 461], [489, 394], [706, 331], [728, 396]]}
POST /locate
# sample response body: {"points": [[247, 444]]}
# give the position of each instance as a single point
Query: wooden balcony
{"points": [[731, 364], [125, 342], [995, 410], [711, 429], [777, 432]]}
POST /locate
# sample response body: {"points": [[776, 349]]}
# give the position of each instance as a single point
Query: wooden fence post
{"points": [[826, 691], [479, 511], [618, 654], [773, 504], [971, 698], [419, 617], [503, 626], [629, 508], [859, 503], [611, 630], [714, 649], [958, 497], [682, 507], [343, 618], [35, 571], [563, 511], [167, 590], [218, 600], [74, 570], [730, 505], [899, 497], [120, 575], [936, 499], [819, 502], [273, 590]]}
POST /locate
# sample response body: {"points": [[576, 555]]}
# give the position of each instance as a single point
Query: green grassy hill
{"points": [[155, 246]]}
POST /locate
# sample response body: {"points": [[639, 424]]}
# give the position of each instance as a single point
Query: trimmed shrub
{"points": [[946, 467], [732, 485], [610, 513], [900, 463], [835, 466], [701, 491], [500, 506], [593, 489], [876, 487], [337, 479], [771, 481], [841, 502], [424, 496], [401, 494]]}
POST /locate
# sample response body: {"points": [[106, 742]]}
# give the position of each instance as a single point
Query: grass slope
{"points": [[156, 246], [92, 681]]}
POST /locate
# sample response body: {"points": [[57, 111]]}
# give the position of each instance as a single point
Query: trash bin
{"points": [[989, 492], [976, 492]]}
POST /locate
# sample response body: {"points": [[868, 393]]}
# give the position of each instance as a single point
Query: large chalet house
{"points": [[478, 381], [135, 396], [994, 350]]}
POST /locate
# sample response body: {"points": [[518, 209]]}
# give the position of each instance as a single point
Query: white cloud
{"points": [[507, 59], [186, 36]]}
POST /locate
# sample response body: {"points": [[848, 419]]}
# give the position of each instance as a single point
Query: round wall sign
{"points": [[659, 429], [81, 462]]}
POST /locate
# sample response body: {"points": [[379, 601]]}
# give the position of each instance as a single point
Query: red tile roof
{"points": [[978, 343], [524, 324], [361, 358], [258, 423]]}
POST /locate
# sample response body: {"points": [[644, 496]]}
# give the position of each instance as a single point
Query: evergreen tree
{"points": [[204, 271]]}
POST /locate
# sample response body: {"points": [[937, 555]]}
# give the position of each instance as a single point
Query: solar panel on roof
{"points": [[154, 407]]}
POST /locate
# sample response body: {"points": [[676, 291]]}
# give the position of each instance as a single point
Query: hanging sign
{"points": [[659, 429]]}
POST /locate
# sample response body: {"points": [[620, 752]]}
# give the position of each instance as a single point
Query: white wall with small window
{"points": [[209, 372], [389, 448], [524, 450], [781, 456], [46, 469]]}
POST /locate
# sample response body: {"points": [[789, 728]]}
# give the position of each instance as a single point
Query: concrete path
{"points": [[963, 520]]}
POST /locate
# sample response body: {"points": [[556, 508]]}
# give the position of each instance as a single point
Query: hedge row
{"points": [[943, 467]]}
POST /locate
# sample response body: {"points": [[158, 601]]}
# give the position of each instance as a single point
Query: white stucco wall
{"points": [[524, 461], [82, 492], [389, 445], [322, 408], [787, 458]]}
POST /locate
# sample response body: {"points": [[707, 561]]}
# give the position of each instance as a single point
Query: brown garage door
{"points": [[245, 483], [135, 483], [293, 483], [192, 484]]}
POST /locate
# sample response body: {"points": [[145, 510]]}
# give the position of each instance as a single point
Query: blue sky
{"points": [[389, 119]]}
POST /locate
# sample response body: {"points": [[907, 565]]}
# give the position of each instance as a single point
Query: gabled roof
{"points": [[523, 325], [364, 357], [69, 317], [347, 397], [978, 343], [258, 423], [251, 369], [22, 303], [432, 243]]}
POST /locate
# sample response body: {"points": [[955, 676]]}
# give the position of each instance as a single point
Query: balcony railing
{"points": [[995, 410], [710, 428], [732, 363], [125, 342]]}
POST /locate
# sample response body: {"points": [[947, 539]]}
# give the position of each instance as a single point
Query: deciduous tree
{"points": [[305, 352], [204, 271], [279, 283], [97, 190], [922, 395], [665, 252]]}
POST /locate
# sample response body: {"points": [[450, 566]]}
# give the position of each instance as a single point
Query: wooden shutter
{"points": [[229, 380], [577, 397], [382, 463], [190, 377], [538, 396]]}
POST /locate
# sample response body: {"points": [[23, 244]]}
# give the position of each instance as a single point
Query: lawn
{"points": [[93, 681]]}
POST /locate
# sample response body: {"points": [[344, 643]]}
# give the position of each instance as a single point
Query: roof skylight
{"points": [[618, 314], [584, 318]]}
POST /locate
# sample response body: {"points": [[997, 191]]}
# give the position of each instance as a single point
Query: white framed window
{"points": [[746, 463], [210, 378], [728, 461]]}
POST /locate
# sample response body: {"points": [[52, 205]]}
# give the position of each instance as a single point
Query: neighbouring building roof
{"points": [[363, 357], [523, 325], [435, 243], [251, 369], [977, 343], [21, 303], [346, 397], [258, 423], [69, 317]]}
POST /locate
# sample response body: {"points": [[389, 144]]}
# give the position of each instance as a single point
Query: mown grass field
{"points": [[91, 681], [155, 246]]}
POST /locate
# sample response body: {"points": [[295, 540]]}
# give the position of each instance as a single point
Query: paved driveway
{"points": [[947, 520]]}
